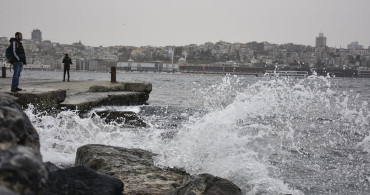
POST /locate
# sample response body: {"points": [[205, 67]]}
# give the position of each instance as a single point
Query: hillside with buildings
{"points": [[263, 55]]}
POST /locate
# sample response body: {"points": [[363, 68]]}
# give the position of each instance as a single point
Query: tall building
{"points": [[36, 35], [354, 46], [321, 40]]}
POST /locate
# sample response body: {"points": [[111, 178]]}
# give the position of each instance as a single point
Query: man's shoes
{"points": [[16, 89], [64, 80]]}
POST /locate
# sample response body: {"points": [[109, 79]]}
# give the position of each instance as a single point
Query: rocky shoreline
{"points": [[98, 169]]}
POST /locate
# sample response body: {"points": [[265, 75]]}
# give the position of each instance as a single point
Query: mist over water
{"points": [[268, 136]]}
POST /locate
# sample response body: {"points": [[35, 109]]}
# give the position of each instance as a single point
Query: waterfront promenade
{"points": [[81, 95]]}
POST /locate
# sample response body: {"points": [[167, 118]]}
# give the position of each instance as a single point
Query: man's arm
{"points": [[14, 51]]}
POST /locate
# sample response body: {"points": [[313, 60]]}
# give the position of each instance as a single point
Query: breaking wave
{"points": [[274, 136]]}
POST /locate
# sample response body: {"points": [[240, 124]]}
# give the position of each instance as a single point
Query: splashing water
{"points": [[267, 129], [280, 136]]}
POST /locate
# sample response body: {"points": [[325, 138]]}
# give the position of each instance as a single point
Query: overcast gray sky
{"points": [[183, 22]]}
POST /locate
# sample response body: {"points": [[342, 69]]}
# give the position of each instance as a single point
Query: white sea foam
{"points": [[236, 140], [244, 128]]}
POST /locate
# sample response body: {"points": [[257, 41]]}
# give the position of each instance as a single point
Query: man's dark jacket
{"points": [[67, 62], [18, 51]]}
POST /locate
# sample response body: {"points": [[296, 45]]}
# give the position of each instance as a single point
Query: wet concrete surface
{"points": [[77, 94]]}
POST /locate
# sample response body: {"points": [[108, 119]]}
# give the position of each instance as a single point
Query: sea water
{"points": [[267, 135]]}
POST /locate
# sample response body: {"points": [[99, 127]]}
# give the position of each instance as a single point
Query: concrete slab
{"points": [[87, 100], [83, 95]]}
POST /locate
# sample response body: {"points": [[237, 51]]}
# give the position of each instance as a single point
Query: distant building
{"points": [[181, 61], [178, 51], [354, 46], [4, 39], [82, 64], [321, 40], [36, 35], [155, 66], [97, 65]]}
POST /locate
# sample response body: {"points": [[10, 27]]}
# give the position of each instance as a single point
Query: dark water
{"points": [[268, 136]]}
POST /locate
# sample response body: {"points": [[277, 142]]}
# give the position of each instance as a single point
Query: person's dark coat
{"points": [[18, 51], [67, 62]]}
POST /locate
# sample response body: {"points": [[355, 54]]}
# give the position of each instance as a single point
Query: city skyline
{"points": [[172, 22]]}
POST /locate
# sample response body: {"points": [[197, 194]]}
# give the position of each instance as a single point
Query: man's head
{"points": [[66, 55], [18, 36]]}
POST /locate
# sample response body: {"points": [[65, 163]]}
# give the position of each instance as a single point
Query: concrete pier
{"points": [[47, 94]]}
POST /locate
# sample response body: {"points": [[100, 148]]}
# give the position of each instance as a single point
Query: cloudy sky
{"points": [[183, 22]]}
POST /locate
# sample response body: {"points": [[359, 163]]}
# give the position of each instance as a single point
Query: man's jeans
{"points": [[17, 67]]}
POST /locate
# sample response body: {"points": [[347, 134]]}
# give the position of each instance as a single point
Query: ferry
{"points": [[297, 74], [363, 72]]}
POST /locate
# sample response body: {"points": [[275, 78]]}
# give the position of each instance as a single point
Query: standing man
{"points": [[67, 63], [19, 59]]}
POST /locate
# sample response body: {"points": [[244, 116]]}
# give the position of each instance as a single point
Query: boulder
{"points": [[206, 184], [135, 167], [6, 191], [16, 128], [50, 167], [21, 167], [100, 88], [127, 98], [22, 170], [80, 180], [139, 87], [122, 86], [126, 118], [42, 99], [88, 100]]}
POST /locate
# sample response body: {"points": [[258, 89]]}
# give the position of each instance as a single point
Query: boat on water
{"points": [[363, 72], [275, 73]]}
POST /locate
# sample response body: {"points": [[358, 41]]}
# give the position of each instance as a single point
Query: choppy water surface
{"points": [[268, 136]]}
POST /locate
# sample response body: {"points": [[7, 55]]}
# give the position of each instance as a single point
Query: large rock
{"points": [[126, 118], [80, 180], [50, 167], [21, 167], [43, 99], [206, 184], [100, 88], [86, 101], [122, 86], [16, 128], [21, 170], [135, 167], [6, 191]]}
